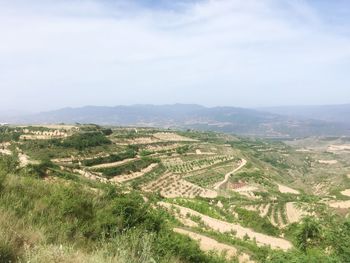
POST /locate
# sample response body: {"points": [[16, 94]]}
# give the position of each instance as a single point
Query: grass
{"points": [[203, 207], [42, 222]]}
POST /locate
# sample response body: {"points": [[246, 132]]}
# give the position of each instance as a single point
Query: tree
{"points": [[309, 233]]}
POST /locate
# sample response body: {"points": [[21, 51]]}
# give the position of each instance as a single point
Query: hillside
{"points": [[222, 119], [85, 193]]}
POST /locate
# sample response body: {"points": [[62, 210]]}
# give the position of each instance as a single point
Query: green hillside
{"points": [[86, 193]]}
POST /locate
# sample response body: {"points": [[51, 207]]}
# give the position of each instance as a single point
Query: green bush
{"points": [[254, 220], [8, 134], [81, 141]]}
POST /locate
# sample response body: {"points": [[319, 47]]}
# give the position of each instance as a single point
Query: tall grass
{"points": [[64, 221]]}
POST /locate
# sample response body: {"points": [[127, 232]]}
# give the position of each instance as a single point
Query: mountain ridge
{"points": [[241, 121], [333, 113]]}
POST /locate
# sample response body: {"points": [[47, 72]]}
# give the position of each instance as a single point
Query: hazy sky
{"points": [[58, 53]]}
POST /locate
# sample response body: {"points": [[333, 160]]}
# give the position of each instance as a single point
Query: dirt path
{"points": [[108, 165], [227, 176], [208, 244], [241, 232]]}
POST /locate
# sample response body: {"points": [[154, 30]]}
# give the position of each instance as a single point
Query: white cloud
{"points": [[246, 53]]}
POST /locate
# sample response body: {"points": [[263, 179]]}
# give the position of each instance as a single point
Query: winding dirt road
{"points": [[227, 176]]}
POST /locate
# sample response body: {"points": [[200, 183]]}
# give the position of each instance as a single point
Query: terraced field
{"points": [[245, 198], [280, 214]]}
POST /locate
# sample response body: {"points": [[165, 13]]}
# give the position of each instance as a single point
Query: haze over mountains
{"points": [[267, 122], [332, 113]]}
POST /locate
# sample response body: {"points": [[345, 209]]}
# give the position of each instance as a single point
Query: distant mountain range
{"points": [[281, 122], [331, 113]]}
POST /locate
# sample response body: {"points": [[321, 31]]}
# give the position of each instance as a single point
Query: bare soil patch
{"points": [[199, 152], [339, 148], [285, 189], [24, 159], [340, 204], [294, 213], [4, 148], [328, 162], [346, 192]]}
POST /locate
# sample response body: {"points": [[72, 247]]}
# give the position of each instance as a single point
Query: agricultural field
{"points": [[171, 196]]}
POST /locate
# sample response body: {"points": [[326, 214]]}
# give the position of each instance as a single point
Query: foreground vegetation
{"points": [[44, 221]]}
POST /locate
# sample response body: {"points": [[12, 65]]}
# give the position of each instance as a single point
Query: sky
{"points": [[244, 53]]}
